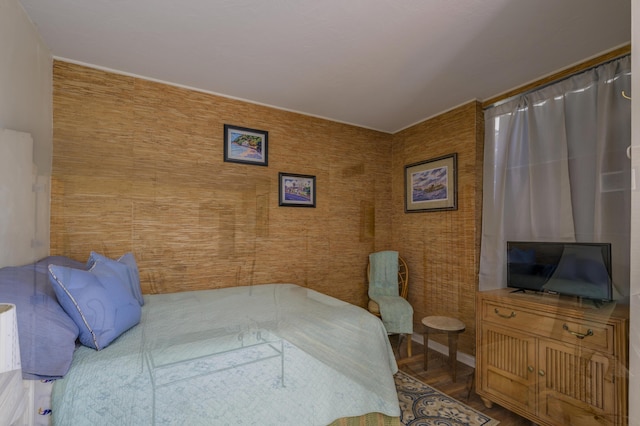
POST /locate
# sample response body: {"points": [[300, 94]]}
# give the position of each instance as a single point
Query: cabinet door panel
{"points": [[565, 412], [515, 391], [553, 360], [576, 385], [508, 371]]}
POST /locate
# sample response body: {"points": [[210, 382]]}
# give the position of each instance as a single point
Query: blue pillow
{"points": [[42, 265], [47, 334], [126, 267], [97, 300]]}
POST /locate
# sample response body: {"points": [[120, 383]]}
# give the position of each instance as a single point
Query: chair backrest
{"points": [[403, 277]]}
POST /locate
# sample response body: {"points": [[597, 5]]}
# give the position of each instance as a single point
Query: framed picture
{"points": [[431, 185], [297, 190], [244, 145]]}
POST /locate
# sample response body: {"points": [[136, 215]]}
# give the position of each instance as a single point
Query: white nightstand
{"points": [[13, 395]]}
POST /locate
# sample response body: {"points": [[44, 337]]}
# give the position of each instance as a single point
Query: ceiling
{"points": [[378, 64]]}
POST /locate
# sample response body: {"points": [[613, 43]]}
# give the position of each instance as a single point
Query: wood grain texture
{"points": [[553, 358], [138, 166], [442, 247]]}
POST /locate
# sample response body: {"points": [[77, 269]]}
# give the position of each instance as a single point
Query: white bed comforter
{"points": [[273, 354]]}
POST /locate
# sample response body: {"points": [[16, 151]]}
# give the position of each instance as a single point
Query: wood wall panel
{"points": [[138, 166], [442, 247]]}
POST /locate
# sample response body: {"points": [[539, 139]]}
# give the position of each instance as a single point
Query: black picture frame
{"points": [[296, 190], [431, 185], [245, 145]]}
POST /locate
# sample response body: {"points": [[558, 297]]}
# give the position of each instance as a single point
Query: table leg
{"points": [[426, 348], [453, 353]]}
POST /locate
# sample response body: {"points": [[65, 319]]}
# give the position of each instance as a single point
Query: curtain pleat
{"points": [[556, 169]]}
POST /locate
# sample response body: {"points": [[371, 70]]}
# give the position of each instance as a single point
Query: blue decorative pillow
{"points": [[97, 300], [47, 334], [126, 267]]}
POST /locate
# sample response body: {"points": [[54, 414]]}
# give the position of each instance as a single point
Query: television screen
{"points": [[575, 269]]}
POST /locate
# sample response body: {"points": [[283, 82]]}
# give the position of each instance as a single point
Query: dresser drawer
{"points": [[585, 334]]}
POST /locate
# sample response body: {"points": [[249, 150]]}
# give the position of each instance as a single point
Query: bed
{"points": [[263, 354]]}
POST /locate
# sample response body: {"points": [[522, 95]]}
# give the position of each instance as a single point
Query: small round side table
{"points": [[439, 325]]}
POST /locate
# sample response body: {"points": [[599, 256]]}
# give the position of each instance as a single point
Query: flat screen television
{"points": [[574, 269]]}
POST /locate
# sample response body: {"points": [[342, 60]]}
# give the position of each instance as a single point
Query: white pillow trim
{"points": [[84, 320]]}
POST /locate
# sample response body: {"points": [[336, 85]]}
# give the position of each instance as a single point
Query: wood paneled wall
{"points": [[138, 166], [442, 247]]}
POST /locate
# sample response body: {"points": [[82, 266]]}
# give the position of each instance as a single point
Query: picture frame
{"points": [[295, 190], [431, 185], [245, 145]]}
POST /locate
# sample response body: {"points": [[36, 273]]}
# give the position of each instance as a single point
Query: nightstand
{"points": [[13, 395]]}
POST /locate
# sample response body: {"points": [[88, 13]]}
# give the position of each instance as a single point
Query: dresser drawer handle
{"points": [[511, 315], [575, 333]]}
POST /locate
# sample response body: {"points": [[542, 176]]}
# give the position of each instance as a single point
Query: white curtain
{"points": [[556, 169]]}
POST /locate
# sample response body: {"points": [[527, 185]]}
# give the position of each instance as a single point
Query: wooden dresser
{"points": [[555, 360]]}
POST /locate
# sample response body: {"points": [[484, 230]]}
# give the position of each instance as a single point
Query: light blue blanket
{"points": [[395, 311], [273, 354]]}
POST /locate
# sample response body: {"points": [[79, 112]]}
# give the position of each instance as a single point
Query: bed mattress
{"points": [[267, 354]]}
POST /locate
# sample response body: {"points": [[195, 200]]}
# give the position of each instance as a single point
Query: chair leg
{"points": [[400, 338]]}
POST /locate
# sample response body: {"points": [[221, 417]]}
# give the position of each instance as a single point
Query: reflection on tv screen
{"points": [[576, 269]]}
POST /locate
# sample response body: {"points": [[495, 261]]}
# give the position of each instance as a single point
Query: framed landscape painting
{"points": [[297, 190], [431, 185], [244, 145]]}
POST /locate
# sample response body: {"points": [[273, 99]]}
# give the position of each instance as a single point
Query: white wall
{"points": [[17, 179], [634, 332], [26, 105]]}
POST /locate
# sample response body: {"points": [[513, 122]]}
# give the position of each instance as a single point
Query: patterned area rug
{"points": [[420, 404]]}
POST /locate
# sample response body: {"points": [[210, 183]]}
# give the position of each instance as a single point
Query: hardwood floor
{"points": [[439, 377]]}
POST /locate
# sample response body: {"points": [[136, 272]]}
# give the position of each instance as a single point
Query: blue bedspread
{"points": [[273, 354]]}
